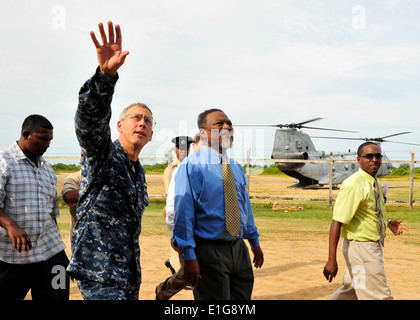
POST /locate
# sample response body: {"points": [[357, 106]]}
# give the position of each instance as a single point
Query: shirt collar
{"points": [[17, 151], [367, 176], [214, 156], [19, 155], [121, 149], [127, 160]]}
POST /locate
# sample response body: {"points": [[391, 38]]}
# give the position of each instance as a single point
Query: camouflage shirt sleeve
{"points": [[94, 114], [112, 198]]}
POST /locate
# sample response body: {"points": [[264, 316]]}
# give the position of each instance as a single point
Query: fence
{"points": [[277, 187]]}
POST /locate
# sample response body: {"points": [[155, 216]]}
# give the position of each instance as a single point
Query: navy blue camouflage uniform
{"points": [[113, 196]]}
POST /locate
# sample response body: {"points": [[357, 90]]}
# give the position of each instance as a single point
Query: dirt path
{"points": [[292, 270]]}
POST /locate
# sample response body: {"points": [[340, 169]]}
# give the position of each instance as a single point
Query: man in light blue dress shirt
{"points": [[217, 264]]}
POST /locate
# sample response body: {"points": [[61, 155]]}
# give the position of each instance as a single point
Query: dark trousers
{"points": [[225, 269], [47, 280], [173, 284]]}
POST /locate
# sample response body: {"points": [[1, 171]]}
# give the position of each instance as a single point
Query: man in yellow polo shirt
{"points": [[356, 218]]}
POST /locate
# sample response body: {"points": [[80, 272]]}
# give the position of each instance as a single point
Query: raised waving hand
{"points": [[110, 54]]}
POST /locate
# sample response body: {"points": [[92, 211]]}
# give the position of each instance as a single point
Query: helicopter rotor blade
{"points": [[316, 128], [307, 121], [396, 134], [368, 139], [298, 125], [338, 138], [411, 144], [256, 125]]}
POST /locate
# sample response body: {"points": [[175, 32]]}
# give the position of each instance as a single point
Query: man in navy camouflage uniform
{"points": [[113, 192]]}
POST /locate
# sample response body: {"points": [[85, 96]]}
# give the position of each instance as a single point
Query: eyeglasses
{"points": [[370, 156], [138, 117]]}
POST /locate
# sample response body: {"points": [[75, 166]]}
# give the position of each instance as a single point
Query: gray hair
{"points": [[139, 104]]}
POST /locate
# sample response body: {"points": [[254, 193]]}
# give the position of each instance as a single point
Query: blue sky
{"points": [[353, 63]]}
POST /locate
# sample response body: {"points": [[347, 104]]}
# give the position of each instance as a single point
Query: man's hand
{"points": [[396, 227], [191, 272], [258, 257], [19, 237], [173, 247], [110, 54], [331, 267], [330, 270]]}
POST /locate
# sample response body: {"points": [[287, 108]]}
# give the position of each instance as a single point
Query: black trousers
{"points": [[47, 280], [226, 270]]}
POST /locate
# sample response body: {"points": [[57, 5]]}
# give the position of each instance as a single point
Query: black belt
{"points": [[200, 240]]}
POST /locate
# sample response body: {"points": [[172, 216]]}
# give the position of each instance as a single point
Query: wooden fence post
{"points": [[248, 173], [331, 180], [411, 180]]}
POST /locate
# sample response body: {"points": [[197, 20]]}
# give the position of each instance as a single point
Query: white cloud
{"points": [[263, 62]]}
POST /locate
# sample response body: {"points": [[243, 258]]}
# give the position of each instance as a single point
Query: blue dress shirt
{"points": [[199, 202]]}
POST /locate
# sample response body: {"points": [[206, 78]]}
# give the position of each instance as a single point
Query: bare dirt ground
{"points": [[292, 270]]}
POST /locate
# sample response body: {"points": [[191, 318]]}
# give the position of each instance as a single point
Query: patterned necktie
{"points": [[379, 210], [231, 199]]}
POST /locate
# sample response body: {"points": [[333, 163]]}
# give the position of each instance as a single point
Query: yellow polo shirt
{"points": [[355, 207]]}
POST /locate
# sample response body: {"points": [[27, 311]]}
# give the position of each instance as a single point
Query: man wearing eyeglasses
{"points": [[113, 194], [216, 259], [360, 217]]}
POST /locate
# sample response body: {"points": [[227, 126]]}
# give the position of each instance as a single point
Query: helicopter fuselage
{"points": [[291, 144]]}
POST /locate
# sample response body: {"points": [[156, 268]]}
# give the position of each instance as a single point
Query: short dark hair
{"points": [[34, 121], [359, 150], [202, 117]]}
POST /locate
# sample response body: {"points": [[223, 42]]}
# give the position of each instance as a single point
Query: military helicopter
{"points": [[291, 143]]}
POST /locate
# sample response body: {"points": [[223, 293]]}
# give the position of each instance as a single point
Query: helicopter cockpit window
{"points": [[299, 145]]}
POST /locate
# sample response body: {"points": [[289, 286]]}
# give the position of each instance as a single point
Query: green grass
{"points": [[402, 171], [315, 219], [312, 221], [60, 167], [153, 222]]}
